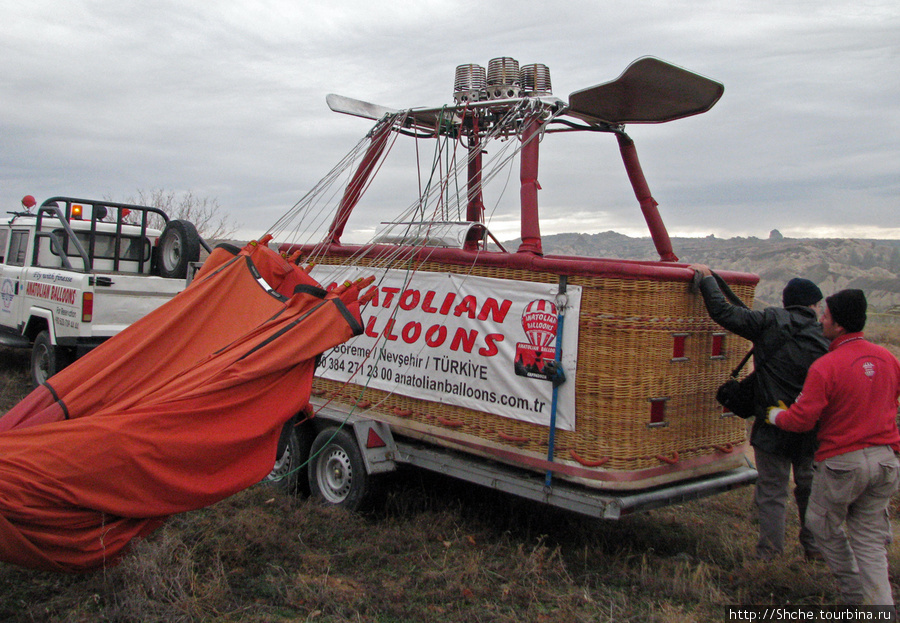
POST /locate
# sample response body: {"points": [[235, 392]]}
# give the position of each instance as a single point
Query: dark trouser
{"points": [[772, 487]]}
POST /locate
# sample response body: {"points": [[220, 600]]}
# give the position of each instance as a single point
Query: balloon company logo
{"points": [[539, 321]]}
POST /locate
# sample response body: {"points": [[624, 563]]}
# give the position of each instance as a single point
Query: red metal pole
{"points": [[355, 188], [475, 205], [531, 230], [648, 204]]}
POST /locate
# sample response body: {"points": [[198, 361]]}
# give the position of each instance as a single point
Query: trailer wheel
{"points": [[290, 474], [179, 245], [337, 474], [47, 359]]}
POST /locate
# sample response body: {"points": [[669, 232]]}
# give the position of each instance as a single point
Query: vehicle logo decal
{"points": [[8, 294]]}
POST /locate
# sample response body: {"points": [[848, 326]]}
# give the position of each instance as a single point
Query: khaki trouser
{"points": [[853, 490], [773, 486]]}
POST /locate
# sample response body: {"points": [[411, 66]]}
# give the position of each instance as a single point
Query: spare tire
{"points": [[179, 245]]}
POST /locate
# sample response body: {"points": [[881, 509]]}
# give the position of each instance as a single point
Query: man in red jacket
{"points": [[851, 393]]}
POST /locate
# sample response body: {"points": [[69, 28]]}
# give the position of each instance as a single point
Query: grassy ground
{"points": [[14, 379], [434, 550]]}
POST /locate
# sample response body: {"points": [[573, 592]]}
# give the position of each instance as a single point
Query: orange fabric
{"points": [[38, 407], [200, 320], [185, 428]]}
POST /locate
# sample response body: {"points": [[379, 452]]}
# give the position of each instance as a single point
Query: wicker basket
{"points": [[645, 407]]}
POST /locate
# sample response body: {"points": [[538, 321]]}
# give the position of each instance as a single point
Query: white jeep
{"points": [[75, 272]]}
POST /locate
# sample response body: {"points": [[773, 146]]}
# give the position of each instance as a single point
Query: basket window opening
{"points": [[658, 412], [718, 346], [679, 341]]}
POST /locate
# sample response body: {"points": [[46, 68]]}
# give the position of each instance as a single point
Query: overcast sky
{"points": [[227, 99]]}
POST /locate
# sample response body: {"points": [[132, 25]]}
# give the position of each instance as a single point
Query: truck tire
{"points": [[337, 473], [290, 474], [179, 245], [47, 359]]}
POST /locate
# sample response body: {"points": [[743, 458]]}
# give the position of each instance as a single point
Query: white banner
{"points": [[475, 342]]}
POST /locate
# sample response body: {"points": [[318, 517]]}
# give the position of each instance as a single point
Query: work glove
{"points": [[774, 411]]}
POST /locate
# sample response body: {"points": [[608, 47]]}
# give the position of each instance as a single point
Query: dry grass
{"points": [[435, 549], [15, 382], [884, 329]]}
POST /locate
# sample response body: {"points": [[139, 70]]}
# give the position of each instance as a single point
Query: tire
{"points": [[337, 473], [179, 245], [290, 474], [47, 359]]}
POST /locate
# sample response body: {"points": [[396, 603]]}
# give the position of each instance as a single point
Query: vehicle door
{"points": [[12, 281]]}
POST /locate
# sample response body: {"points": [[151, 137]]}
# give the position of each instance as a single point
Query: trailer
{"points": [[354, 455]]}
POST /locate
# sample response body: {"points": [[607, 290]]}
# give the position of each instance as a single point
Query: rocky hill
{"points": [[833, 263]]}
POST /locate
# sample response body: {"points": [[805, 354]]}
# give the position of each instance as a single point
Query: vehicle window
{"points": [[4, 234], [130, 247], [18, 245]]}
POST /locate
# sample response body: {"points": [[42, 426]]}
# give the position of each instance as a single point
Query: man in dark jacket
{"points": [[785, 343]]}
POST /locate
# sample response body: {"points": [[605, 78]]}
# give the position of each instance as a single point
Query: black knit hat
{"points": [[848, 309], [800, 291]]}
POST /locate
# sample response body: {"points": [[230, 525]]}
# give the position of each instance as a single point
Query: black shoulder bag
{"points": [[739, 396]]}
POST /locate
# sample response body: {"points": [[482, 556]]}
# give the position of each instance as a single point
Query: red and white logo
{"points": [[539, 320]]}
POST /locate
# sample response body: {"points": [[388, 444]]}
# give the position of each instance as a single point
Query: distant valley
{"points": [[833, 263]]}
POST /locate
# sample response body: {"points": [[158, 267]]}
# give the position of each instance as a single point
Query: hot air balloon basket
{"points": [[649, 360]]}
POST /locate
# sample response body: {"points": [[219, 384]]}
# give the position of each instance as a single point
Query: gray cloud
{"points": [[99, 98]]}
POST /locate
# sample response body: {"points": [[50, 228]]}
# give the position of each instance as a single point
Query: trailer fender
{"points": [[377, 445]]}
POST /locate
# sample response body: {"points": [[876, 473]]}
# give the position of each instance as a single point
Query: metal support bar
{"points": [[356, 186], [531, 230], [648, 203], [475, 205]]}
